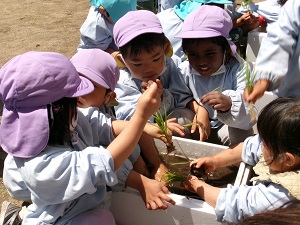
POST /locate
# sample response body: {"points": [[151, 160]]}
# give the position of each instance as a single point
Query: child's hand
{"points": [[208, 163], [217, 100], [173, 126], [155, 195], [201, 121], [150, 100], [154, 131], [257, 91], [158, 172], [192, 183]]}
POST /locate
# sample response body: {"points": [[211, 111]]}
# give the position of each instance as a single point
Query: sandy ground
{"points": [[34, 25]]}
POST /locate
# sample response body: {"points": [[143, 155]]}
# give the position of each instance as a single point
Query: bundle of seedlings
{"points": [[161, 121], [246, 5], [249, 79]]}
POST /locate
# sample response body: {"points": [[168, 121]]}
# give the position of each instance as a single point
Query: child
{"points": [[172, 19], [215, 76], [276, 161], [277, 66], [97, 126], [39, 91], [144, 49], [97, 30]]}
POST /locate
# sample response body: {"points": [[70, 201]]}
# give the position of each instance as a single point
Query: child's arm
{"points": [[230, 156], [149, 129], [201, 115], [206, 192], [152, 191], [151, 156], [126, 141]]}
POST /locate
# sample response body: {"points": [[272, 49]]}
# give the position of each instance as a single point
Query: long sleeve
{"points": [[236, 203], [238, 116], [278, 58]]}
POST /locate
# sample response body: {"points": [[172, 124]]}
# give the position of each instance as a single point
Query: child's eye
{"points": [[210, 53], [155, 60], [137, 64]]}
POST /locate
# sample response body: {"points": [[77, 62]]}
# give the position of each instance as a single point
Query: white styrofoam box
{"points": [[186, 210], [128, 208], [255, 38]]}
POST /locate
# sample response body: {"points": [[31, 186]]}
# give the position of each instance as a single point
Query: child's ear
{"points": [[168, 48], [290, 159], [119, 60], [112, 99]]}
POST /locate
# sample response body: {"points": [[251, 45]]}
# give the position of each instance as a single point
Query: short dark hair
{"points": [[63, 111], [279, 126], [147, 42]]}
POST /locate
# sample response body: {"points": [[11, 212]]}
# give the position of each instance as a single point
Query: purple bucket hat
{"points": [[29, 82], [208, 21], [135, 23], [98, 66]]}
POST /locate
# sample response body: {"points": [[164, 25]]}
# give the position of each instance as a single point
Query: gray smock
{"points": [[96, 32], [231, 83], [62, 183]]}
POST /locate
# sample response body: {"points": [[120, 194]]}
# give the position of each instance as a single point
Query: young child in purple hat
{"points": [[215, 75], [98, 126], [39, 91], [144, 52]]}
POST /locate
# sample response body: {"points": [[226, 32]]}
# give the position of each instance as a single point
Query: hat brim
{"points": [[198, 34], [92, 76], [24, 132], [133, 35], [209, 34], [84, 87]]}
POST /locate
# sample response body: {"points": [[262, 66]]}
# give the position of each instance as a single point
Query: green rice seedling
{"points": [[179, 163], [216, 89], [161, 121], [172, 177], [249, 85], [246, 4]]}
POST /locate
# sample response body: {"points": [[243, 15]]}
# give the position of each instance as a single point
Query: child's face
{"points": [[205, 57], [146, 66], [94, 99]]}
